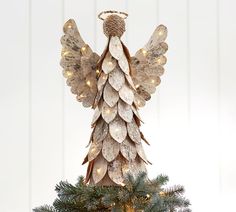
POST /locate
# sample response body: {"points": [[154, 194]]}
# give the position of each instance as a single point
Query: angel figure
{"points": [[115, 85]]}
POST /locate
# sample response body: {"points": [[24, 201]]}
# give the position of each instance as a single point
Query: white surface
{"points": [[190, 121]]}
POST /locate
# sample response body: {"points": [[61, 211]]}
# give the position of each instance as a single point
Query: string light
{"points": [[148, 196], [88, 83], [117, 129], [69, 26], [65, 53], [160, 33], [162, 193], [99, 170], [108, 111], [83, 48], [152, 81], [97, 71], [161, 60], [144, 52], [67, 73], [136, 86], [110, 63], [122, 184]]}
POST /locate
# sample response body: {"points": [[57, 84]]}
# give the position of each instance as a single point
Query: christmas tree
{"points": [[115, 85]]}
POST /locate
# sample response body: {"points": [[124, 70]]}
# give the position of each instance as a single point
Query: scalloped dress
{"points": [[116, 141]]}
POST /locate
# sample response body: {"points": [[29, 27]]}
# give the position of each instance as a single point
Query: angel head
{"points": [[114, 24]]}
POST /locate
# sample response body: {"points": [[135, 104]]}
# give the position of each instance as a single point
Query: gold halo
{"points": [[103, 15]]}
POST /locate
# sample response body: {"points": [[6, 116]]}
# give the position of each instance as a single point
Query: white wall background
{"points": [[190, 122]]}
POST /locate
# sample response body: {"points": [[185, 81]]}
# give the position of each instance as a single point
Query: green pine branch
{"points": [[45, 208], [139, 193], [174, 190]]}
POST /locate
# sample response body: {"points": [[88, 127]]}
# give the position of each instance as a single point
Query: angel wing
{"points": [[79, 64], [147, 66]]}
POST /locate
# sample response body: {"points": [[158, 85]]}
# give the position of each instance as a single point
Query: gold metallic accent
{"points": [[103, 15]]}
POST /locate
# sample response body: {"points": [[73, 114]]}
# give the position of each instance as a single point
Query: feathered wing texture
{"points": [[79, 64], [147, 66]]}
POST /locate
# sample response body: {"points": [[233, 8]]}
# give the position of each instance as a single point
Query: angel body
{"points": [[115, 85]]}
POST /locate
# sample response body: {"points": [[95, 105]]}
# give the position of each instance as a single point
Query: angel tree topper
{"points": [[115, 85]]}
